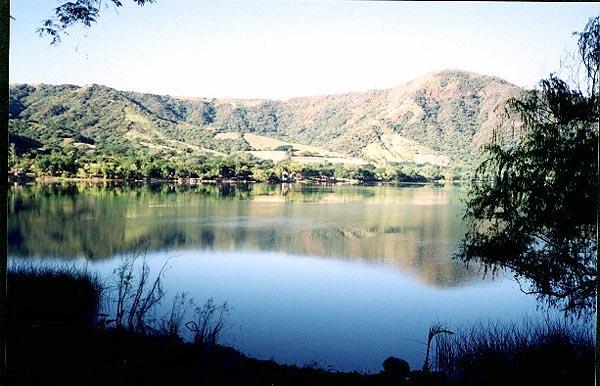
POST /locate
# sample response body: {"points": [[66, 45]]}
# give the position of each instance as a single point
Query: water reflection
{"points": [[413, 228]]}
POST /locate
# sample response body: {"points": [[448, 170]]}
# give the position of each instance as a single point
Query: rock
{"points": [[396, 367]]}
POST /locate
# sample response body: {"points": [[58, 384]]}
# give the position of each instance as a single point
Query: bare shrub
{"points": [[171, 323], [209, 323], [136, 294]]}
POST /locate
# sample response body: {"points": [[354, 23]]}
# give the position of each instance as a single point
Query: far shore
{"points": [[199, 181]]}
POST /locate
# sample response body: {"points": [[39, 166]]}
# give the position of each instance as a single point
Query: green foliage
{"points": [[322, 171], [84, 12], [284, 148], [365, 174], [535, 211], [100, 132], [75, 162], [12, 156], [454, 108], [401, 176]]}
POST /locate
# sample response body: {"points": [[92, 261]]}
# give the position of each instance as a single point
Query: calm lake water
{"points": [[340, 276]]}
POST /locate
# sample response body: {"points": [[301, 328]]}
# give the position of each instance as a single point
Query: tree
{"points": [[12, 156], [84, 12], [365, 174], [536, 210]]}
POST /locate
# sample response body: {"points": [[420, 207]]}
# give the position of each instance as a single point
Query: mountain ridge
{"points": [[440, 118], [284, 99]]}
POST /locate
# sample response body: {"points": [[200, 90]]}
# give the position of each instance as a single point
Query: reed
{"points": [[553, 352]]}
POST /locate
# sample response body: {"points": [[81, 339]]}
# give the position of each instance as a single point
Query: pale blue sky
{"points": [[278, 49]]}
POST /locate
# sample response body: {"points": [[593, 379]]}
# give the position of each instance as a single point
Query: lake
{"points": [[337, 276]]}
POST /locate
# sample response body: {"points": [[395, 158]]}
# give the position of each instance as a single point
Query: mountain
{"points": [[441, 118]]}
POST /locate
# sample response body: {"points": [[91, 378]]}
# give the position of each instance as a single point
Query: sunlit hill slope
{"points": [[441, 119]]}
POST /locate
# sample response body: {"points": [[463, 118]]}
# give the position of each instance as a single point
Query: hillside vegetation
{"points": [[441, 117], [439, 120]]}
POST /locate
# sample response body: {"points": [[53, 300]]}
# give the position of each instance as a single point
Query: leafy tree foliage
{"points": [[84, 12], [71, 160], [537, 214]]}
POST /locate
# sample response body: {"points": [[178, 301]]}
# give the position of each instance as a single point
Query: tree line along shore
{"points": [[75, 163]]}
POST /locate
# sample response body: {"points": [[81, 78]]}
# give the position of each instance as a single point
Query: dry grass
{"points": [[262, 142], [228, 136], [333, 160], [274, 156], [396, 148]]}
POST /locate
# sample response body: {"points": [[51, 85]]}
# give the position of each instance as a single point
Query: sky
{"points": [[282, 49]]}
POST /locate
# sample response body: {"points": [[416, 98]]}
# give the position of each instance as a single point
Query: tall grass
{"points": [[58, 295], [549, 353]]}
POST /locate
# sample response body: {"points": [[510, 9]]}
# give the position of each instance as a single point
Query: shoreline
{"points": [[198, 181], [57, 338]]}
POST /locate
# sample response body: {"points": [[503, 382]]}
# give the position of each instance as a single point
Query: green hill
{"points": [[439, 119]]}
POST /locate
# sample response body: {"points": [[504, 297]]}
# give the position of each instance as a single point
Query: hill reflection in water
{"points": [[413, 228]]}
